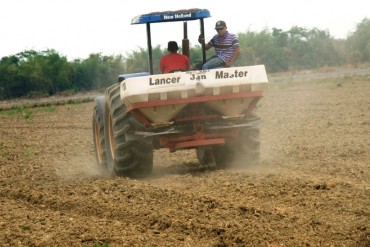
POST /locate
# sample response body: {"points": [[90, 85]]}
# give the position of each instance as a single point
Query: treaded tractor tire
{"points": [[205, 155], [219, 155], [132, 158], [250, 141], [249, 147], [99, 135], [242, 153], [223, 155]]}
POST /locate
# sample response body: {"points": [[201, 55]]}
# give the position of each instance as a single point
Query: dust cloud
{"points": [[78, 168]]}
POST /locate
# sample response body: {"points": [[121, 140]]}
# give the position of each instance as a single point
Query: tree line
{"points": [[41, 73]]}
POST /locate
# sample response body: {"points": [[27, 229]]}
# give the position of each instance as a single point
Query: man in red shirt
{"points": [[174, 61]]}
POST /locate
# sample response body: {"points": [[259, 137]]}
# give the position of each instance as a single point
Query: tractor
{"points": [[212, 111]]}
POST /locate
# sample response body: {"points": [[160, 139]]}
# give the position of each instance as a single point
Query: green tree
{"points": [[97, 71], [12, 84], [45, 71], [323, 50], [358, 43]]}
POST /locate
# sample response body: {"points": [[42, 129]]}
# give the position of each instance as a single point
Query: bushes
{"points": [[31, 73]]}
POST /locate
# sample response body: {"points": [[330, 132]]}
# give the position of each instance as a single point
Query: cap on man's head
{"points": [[220, 24], [172, 46]]}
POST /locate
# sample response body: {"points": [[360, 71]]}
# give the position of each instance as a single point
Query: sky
{"points": [[77, 28]]}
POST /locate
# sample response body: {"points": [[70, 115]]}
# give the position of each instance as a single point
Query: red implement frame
{"points": [[199, 138]]}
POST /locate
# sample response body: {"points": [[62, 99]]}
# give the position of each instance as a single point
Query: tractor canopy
{"points": [[184, 16], [170, 16]]}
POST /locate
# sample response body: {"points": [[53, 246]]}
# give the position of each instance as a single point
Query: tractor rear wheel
{"points": [[99, 139], [248, 150], [219, 155], [132, 158], [242, 153]]}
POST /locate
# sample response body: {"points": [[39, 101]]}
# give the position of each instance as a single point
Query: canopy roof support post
{"points": [[185, 41], [203, 43], [150, 52]]}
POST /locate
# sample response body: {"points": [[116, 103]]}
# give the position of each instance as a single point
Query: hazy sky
{"points": [[77, 28]]}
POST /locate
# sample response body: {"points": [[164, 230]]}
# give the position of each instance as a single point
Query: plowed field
{"points": [[311, 189]]}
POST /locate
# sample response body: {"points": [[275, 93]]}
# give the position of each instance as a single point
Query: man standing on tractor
{"points": [[227, 47]]}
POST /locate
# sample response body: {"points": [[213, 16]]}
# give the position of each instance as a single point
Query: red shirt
{"points": [[174, 61]]}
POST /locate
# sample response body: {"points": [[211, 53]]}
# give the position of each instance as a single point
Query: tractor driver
{"points": [[174, 61]]}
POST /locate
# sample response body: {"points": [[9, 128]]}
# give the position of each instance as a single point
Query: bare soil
{"points": [[311, 189]]}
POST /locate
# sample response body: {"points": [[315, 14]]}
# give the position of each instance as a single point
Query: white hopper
{"points": [[161, 97]]}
